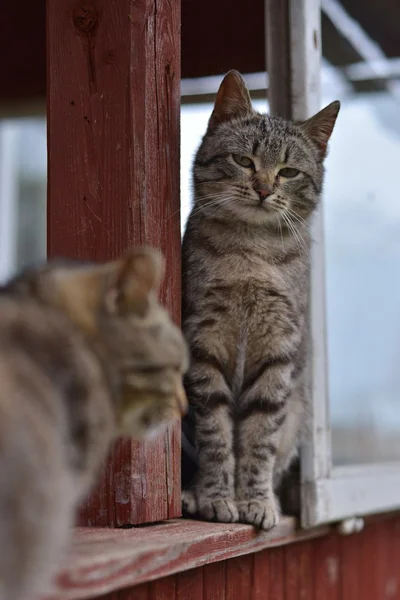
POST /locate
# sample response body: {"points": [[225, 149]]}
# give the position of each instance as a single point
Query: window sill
{"points": [[104, 560]]}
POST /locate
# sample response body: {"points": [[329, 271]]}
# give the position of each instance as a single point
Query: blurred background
{"points": [[361, 67]]}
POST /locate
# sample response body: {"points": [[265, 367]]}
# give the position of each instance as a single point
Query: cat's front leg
{"points": [[261, 418], [214, 487], [212, 496]]}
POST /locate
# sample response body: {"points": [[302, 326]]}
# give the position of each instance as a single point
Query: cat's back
{"points": [[48, 385], [50, 380]]}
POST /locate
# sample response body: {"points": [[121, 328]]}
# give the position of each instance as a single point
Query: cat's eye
{"points": [[243, 161], [288, 172]]}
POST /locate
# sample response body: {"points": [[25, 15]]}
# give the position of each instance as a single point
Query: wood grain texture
{"points": [[207, 561], [214, 581], [326, 568], [261, 575], [189, 585], [102, 560], [350, 581], [163, 589], [113, 181], [298, 571], [276, 569], [239, 578]]}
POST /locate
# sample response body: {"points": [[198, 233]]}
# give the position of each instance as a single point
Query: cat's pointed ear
{"points": [[319, 127], [233, 100], [134, 277]]}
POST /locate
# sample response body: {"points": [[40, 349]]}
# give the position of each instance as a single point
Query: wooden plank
{"points": [[23, 60], [298, 572], [395, 557], [140, 592], [239, 576], [189, 585], [276, 585], [390, 568], [113, 148], [261, 575], [163, 589], [214, 578], [349, 548], [102, 560], [383, 582], [368, 582], [277, 37], [326, 569]]}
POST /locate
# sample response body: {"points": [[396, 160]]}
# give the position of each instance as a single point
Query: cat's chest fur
{"points": [[244, 303]]}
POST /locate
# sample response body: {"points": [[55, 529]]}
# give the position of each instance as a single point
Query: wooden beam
{"points": [[277, 39], [102, 561], [113, 70]]}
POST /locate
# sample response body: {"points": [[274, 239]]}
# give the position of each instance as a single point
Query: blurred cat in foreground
{"points": [[86, 354]]}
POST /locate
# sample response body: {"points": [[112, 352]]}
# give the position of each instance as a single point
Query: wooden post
{"points": [[277, 41], [113, 70]]}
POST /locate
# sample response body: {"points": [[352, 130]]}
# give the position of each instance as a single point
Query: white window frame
{"points": [[8, 198], [328, 493], [293, 36]]}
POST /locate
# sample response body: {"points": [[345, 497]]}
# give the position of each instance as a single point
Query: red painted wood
{"points": [[261, 575], [101, 560], [214, 581], [326, 568], [189, 585], [368, 565], [391, 568], [276, 570], [221, 33], [141, 592], [350, 582], [298, 571], [381, 559], [292, 567], [394, 528], [239, 578], [23, 59], [113, 144], [163, 589]]}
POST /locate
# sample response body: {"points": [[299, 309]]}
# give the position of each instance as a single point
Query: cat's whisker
{"points": [[280, 228], [207, 197], [214, 201], [290, 227], [298, 218], [296, 234]]}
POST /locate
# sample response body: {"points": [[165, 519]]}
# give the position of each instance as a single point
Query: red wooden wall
{"points": [[364, 566], [113, 85]]}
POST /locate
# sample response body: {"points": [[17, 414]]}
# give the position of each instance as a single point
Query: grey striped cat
{"points": [[257, 180], [87, 354]]}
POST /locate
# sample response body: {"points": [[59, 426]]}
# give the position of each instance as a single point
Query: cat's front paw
{"points": [[189, 504], [222, 510], [263, 514]]}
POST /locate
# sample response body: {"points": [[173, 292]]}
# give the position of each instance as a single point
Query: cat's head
{"points": [[258, 169], [115, 306]]}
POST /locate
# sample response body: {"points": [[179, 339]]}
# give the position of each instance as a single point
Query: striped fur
{"points": [[245, 301], [86, 354]]}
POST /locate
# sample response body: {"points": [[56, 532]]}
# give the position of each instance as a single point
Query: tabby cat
{"points": [[257, 180], [86, 354]]}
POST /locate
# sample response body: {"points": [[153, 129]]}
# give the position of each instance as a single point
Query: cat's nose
{"points": [[263, 190]]}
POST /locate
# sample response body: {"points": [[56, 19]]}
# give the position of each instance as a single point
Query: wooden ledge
{"points": [[104, 560]]}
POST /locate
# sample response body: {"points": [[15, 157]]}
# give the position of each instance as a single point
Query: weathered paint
{"points": [[362, 566], [113, 72], [189, 560]]}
